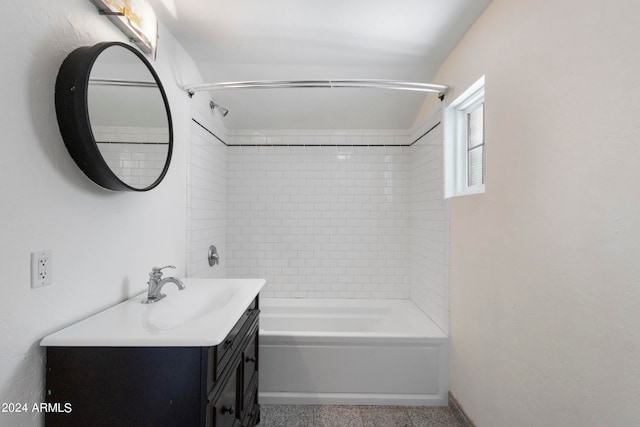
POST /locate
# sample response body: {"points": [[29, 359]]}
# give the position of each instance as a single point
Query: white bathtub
{"points": [[351, 352]]}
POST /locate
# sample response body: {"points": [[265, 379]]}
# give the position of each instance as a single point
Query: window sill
{"points": [[476, 189]]}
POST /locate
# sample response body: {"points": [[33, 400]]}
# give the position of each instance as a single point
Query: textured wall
{"points": [[545, 279], [103, 243]]}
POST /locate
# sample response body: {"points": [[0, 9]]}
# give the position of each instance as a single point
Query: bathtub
{"points": [[351, 352]]}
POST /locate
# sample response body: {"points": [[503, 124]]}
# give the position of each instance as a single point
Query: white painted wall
{"points": [[103, 243], [545, 278]]}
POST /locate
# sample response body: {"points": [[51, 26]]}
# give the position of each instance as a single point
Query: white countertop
{"points": [[201, 315]]}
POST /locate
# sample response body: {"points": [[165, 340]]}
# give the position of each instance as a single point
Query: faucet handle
{"points": [[162, 268], [157, 271]]}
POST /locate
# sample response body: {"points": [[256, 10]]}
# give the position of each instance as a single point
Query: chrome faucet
{"points": [[156, 282]]}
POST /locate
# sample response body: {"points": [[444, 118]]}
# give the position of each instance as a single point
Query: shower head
{"points": [[222, 110]]}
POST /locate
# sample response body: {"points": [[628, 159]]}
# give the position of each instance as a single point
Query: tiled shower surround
{"points": [[429, 226], [206, 201], [338, 214], [327, 222]]}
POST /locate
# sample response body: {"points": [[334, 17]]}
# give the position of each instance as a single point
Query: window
{"points": [[464, 140]]}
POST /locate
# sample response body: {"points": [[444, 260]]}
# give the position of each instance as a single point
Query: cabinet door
{"points": [[225, 411], [219, 356], [124, 386], [250, 361]]}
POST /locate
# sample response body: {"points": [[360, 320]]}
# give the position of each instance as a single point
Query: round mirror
{"points": [[114, 116]]}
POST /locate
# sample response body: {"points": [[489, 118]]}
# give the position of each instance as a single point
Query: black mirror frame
{"points": [[72, 112]]}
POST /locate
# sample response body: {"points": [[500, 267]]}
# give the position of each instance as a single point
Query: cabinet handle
{"points": [[227, 344], [227, 410], [250, 359]]}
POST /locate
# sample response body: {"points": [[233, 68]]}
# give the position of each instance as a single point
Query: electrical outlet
{"points": [[41, 268]]}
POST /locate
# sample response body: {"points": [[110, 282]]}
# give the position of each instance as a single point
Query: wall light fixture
{"points": [[135, 18]]}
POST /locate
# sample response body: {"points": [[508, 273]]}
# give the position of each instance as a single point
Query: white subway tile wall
{"points": [[327, 222], [136, 155], [206, 201], [429, 226]]}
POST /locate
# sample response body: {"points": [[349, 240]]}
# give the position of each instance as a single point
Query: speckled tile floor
{"points": [[355, 416]]}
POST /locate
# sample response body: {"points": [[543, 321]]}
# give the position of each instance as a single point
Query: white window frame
{"points": [[456, 153]]}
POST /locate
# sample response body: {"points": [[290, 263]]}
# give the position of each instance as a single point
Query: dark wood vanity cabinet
{"points": [[158, 386]]}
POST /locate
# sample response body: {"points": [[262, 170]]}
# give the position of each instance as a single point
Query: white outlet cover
{"points": [[41, 268]]}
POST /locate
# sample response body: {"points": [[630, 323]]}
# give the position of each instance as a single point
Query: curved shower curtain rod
{"points": [[441, 90]]}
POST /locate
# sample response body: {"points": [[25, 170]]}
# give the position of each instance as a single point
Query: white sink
{"points": [[200, 315], [181, 307]]}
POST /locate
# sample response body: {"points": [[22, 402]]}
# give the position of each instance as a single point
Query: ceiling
{"points": [[323, 39]]}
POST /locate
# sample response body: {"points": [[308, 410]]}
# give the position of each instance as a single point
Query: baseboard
{"points": [[284, 398], [459, 413]]}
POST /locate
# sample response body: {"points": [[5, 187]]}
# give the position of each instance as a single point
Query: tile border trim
{"points": [[317, 145]]}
